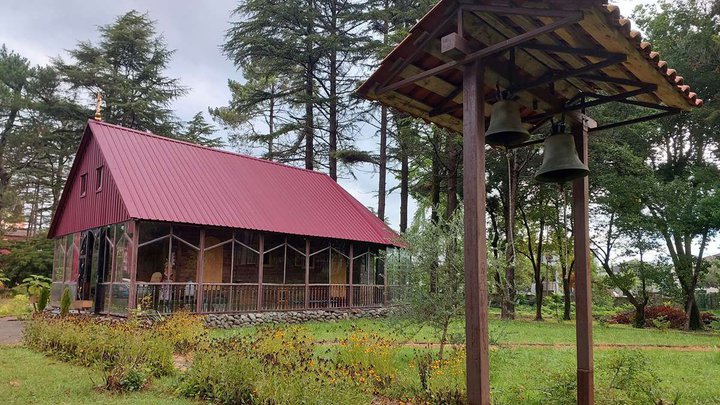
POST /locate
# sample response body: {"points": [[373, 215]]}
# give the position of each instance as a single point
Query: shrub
{"points": [[366, 359], [122, 352], [273, 366], [708, 318], [182, 329], [15, 306], [65, 302], [43, 299], [655, 316], [623, 378], [442, 380]]}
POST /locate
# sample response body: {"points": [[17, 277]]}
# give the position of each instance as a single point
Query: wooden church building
{"points": [[168, 225]]}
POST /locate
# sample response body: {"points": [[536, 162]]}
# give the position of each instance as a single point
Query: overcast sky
{"points": [[40, 30]]}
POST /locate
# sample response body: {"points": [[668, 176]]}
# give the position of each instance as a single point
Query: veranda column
{"points": [[476, 292], [352, 292], [307, 273], [200, 273], [132, 295], [261, 265], [386, 292], [583, 291]]}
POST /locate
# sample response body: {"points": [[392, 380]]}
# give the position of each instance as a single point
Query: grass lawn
{"points": [[27, 377], [682, 365], [521, 331]]}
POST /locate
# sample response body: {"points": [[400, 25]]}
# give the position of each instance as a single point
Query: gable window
{"points": [[83, 184], [98, 179]]}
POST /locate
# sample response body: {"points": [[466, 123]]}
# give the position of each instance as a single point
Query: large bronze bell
{"points": [[560, 160], [506, 127]]}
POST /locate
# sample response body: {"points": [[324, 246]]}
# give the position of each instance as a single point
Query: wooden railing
{"points": [[219, 297], [167, 297], [243, 297], [368, 296], [278, 297]]}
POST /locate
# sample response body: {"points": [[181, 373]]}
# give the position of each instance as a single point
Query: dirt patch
{"points": [[182, 362], [10, 331]]}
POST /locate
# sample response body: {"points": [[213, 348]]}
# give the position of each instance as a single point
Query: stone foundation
{"points": [[227, 321]]}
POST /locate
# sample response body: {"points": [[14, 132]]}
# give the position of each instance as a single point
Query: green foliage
{"points": [[623, 377], [127, 65], [442, 380], [35, 284], [26, 258], [65, 302], [18, 305], [43, 299], [247, 370], [431, 268], [126, 355], [184, 330], [198, 131]]}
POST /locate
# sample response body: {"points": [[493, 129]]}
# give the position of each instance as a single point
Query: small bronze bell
{"points": [[560, 160], [506, 127]]}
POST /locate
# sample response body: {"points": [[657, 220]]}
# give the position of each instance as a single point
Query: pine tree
{"points": [[279, 38], [127, 67], [259, 115], [199, 131]]}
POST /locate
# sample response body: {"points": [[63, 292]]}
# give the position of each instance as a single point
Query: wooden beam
{"points": [[485, 52], [583, 289], [352, 293], [510, 10], [475, 250], [419, 45], [200, 272], [307, 273], [487, 28], [454, 46], [552, 77], [615, 80], [261, 266], [595, 23], [599, 53], [132, 295]]}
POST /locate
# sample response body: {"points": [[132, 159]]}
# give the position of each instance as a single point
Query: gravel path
{"points": [[10, 331]]}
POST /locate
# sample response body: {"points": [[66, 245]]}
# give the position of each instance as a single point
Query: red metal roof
{"points": [[162, 179]]}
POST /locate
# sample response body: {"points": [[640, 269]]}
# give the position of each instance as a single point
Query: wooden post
{"points": [[132, 296], [307, 273], [200, 273], [476, 291], [261, 265], [583, 291], [386, 292], [352, 293]]}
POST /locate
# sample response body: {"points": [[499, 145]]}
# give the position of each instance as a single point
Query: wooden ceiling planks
{"points": [[596, 25]]}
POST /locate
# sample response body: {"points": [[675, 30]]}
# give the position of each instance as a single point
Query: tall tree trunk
{"points": [[271, 124], [567, 298], [404, 190], [452, 175], [538, 295], [509, 290], [435, 206], [382, 170], [309, 99], [333, 118]]}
